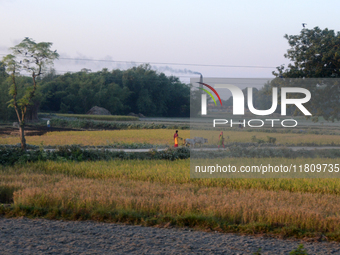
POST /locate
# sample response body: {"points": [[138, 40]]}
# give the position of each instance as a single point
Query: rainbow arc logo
{"points": [[208, 92], [204, 97]]}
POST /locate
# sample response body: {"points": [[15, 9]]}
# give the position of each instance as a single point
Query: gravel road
{"points": [[38, 236]]}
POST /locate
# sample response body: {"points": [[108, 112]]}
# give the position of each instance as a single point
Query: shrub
{"points": [[11, 156], [271, 139], [300, 250], [110, 125]]}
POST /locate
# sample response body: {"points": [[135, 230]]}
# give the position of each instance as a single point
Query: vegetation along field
{"points": [[165, 137], [94, 117], [160, 192]]}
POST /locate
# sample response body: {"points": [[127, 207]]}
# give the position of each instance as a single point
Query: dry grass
{"points": [[177, 172], [305, 211], [12, 182], [163, 191], [163, 136]]}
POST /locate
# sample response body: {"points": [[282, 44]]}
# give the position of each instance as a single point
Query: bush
{"points": [[11, 156], [91, 124]]}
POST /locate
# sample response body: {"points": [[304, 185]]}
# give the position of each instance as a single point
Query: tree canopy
{"points": [[314, 54], [139, 90]]}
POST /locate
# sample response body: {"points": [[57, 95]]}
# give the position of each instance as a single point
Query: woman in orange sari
{"points": [[176, 138]]}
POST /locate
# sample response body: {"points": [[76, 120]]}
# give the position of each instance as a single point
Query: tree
{"points": [[314, 53], [139, 90], [32, 58], [4, 97]]}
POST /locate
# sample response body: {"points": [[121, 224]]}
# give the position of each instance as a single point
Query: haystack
{"points": [[96, 110]]}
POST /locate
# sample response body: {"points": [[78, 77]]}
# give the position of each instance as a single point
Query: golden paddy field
{"points": [[163, 137], [156, 192]]}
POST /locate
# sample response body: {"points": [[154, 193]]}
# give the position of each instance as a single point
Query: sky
{"points": [[199, 35]]}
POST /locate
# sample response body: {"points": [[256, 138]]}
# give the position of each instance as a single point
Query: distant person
{"points": [[221, 140], [49, 125], [176, 138]]}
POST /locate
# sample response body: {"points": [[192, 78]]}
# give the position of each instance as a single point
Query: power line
{"points": [[159, 63], [163, 63]]}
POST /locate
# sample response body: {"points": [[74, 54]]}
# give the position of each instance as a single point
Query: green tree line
{"points": [[138, 90]]}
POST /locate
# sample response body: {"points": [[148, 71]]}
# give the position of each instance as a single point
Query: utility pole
{"points": [[203, 97]]}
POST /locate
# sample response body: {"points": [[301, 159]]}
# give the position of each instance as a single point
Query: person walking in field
{"points": [[221, 140], [176, 138]]}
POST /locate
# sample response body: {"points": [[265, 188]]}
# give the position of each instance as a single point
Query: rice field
{"points": [[157, 192], [165, 137], [96, 138]]}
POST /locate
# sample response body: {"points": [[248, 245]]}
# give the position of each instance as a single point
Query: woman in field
{"points": [[176, 138], [221, 140]]}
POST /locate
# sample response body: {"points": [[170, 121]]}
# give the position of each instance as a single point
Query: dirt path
{"points": [[26, 236]]}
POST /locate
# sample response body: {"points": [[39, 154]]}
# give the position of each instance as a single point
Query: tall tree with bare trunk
{"points": [[31, 58]]}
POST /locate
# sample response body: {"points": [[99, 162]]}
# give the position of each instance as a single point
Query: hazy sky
{"points": [[236, 33]]}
